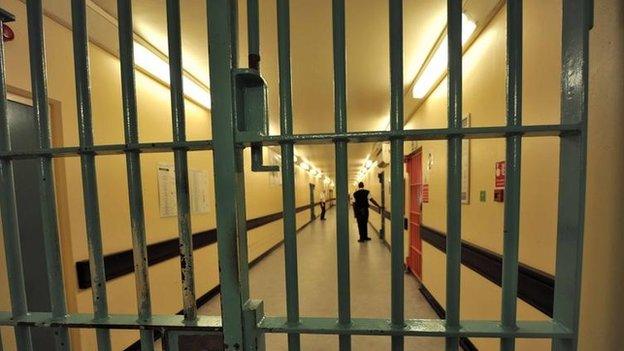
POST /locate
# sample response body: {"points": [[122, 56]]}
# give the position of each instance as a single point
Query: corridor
{"points": [[146, 146], [370, 287]]}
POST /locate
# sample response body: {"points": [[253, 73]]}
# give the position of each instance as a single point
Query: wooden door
{"points": [[414, 256]]}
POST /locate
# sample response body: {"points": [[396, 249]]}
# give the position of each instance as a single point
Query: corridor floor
{"points": [[370, 288]]}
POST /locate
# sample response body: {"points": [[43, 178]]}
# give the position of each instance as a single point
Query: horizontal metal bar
{"points": [[416, 327], [312, 325], [114, 321], [111, 149], [554, 130], [548, 130]]}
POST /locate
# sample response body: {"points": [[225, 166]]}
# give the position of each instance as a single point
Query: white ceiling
{"points": [[311, 49]]}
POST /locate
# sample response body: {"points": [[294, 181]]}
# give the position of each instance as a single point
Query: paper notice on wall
{"points": [[166, 190], [198, 184], [198, 190]]}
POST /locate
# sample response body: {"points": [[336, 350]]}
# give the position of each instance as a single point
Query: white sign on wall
{"points": [[198, 190]]}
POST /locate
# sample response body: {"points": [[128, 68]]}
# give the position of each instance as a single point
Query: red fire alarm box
{"points": [[7, 33]]}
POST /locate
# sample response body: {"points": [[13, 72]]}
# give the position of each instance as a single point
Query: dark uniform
{"points": [[360, 207]]}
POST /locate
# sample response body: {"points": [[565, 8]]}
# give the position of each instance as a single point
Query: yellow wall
{"points": [[482, 222], [155, 125]]}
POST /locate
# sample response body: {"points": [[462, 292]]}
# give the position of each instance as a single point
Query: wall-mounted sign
{"points": [[425, 193], [499, 181]]}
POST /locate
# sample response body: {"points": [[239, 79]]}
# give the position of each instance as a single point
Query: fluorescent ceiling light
{"points": [[158, 67], [439, 61], [304, 166], [368, 164]]}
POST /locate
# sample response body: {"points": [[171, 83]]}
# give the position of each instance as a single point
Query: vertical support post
{"points": [[396, 171], [253, 34], [46, 177], [572, 169], [180, 155], [453, 212], [341, 150], [288, 172], [133, 166], [511, 232], [8, 212], [89, 176], [222, 26]]}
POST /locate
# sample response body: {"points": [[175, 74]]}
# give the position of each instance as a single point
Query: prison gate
{"points": [[239, 120]]}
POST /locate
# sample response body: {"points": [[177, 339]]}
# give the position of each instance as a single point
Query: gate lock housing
{"points": [[251, 113]]}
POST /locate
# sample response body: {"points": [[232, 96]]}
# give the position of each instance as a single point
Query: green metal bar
{"points": [[572, 169], [253, 34], [342, 163], [306, 139], [312, 325], [113, 149], [288, 172], [382, 225], [8, 212], [341, 154], [46, 176], [89, 176], [133, 166], [416, 327], [453, 192], [511, 234], [222, 26], [413, 134], [113, 321], [241, 228], [174, 36], [397, 191]]}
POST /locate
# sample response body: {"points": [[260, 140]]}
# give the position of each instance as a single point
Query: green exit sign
{"points": [[482, 196]]}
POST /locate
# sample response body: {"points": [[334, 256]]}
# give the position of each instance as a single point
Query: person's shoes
{"points": [[367, 239], [361, 240]]}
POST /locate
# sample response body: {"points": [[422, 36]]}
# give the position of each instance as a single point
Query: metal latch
{"points": [[251, 116]]}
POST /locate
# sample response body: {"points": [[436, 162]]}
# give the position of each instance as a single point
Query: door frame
{"points": [[24, 97]]}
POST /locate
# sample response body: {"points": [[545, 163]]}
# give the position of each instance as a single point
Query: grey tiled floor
{"points": [[370, 288]]}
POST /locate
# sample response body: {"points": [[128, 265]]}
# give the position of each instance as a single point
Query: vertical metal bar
{"points": [[89, 177], [382, 182], [453, 212], [241, 228], [511, 232], [133, 166], [288, 171], [396, 171], [572, 169], [181, 159], [341, 150], [8, 212], [253, 33], [222, 26], [46, 177]]}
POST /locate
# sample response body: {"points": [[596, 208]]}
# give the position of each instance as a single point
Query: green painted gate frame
{"points": [[243, 323]]}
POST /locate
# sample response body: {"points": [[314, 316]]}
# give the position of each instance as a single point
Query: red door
{"points": [[414, 256]]}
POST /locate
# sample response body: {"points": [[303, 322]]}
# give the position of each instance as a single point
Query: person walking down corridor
{"points": [[323, 205], [360, 207]]}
